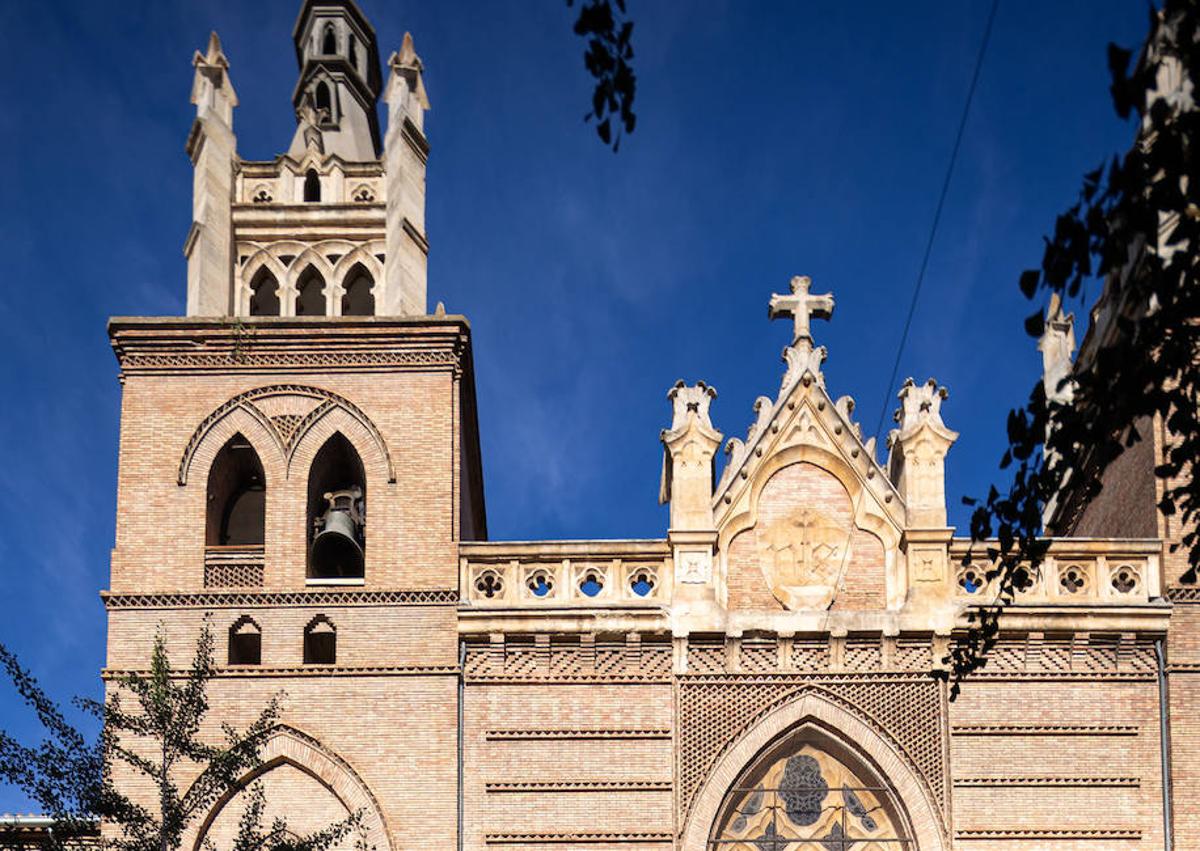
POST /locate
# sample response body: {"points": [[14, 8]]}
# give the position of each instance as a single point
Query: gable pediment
{"points": [[804, 513], [803, 424]]}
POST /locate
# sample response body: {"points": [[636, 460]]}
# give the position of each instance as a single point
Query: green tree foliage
{"points": [[609, 54], [77, 782], [1134, 228]]}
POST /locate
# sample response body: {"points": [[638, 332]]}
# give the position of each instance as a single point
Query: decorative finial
{"points": [[685, 400], [801, 307]]}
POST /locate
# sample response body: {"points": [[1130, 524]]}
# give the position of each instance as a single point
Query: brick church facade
{"points": [[300, 468]]}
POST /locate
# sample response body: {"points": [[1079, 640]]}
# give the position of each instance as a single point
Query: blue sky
{"points": [[773, 139]]}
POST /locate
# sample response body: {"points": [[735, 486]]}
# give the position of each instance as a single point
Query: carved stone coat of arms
{"points": [[803, 555]]}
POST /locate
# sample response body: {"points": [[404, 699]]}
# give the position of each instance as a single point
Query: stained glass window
{"points": [[802, 798]]}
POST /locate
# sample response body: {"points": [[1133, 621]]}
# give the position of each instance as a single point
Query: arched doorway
{"points": [[801, 795]]}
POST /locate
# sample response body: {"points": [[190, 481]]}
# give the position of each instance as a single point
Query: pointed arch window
{"points": [[804, 793], [353, 53], [358, 297], [310, 293], [245, 642], [329, 41], [323, 101], [312, 186], [237, 490], [264, 294], [337, 512], [320, 642]]}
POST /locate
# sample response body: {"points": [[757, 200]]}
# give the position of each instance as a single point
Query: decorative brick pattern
{"points": [[714, 710]]}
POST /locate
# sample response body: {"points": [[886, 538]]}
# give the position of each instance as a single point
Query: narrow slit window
{"points": [[312, 186]]}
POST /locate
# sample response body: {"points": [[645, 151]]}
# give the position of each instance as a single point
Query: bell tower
{"points": [[336, 225], [299, 456]]}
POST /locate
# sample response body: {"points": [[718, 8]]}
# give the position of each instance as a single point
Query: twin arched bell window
{"points": [[335, 506], [312, 297]]}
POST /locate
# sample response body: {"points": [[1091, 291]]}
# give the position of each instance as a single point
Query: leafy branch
{"points": [[161, 739], [1134, 228], [608, 57]]}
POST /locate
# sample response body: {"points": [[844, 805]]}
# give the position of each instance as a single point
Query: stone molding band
{"points": [[1047, 782], [582, 786], [1044, 730], [1034, 833], [572, 735], [253, 671], [576, 838], [257, 599]]}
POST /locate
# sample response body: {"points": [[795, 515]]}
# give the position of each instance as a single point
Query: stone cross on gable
{"points": [[801, 306]]}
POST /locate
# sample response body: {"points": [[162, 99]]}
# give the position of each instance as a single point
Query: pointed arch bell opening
{"points": [[236, 496], [337, 512]]}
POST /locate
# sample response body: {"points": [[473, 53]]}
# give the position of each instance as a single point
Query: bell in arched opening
{"points": [[337, 512]]}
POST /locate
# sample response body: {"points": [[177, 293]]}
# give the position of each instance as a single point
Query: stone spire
{"points": [[1057, 345], [406, 152], [212, 148], [339, 79]]}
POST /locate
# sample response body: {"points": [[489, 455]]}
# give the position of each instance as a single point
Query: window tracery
{"points": [[801, 797]]}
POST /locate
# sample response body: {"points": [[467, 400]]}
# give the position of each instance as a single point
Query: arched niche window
{"points": [[337, 512], [245, 642], [353, 52], [324, 102], [803, 793], [329, 41], [312, 186], [310, 293], [358, 298], [264, 294], [237, 491], [320, 642]]}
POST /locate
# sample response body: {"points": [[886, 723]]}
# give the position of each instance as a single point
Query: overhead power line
{"points": [[937, 214]]}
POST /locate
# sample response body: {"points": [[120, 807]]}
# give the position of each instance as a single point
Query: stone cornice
{"points": [[1096, 616], [529, 550], [179, 345]]}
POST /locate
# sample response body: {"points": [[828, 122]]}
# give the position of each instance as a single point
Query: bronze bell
{"points": [[337, 550]]}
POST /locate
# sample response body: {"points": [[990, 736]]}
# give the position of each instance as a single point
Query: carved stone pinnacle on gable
{"points": [[686, 399], [920, 405]]}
